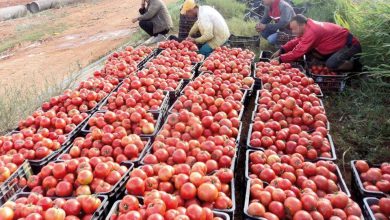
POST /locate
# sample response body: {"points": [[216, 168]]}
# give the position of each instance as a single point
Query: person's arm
{"points": [[153, 9], [286, 13], [206, 29], [299, 50], [289, 46], [266, 18], [194, 29]]}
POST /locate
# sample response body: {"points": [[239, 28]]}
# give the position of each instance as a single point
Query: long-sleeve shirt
{"points": [[282, 17], [212, 26], [326, 38]]}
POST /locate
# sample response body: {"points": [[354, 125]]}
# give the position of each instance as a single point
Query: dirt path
{"points": [[7, 3], [73, 36]]}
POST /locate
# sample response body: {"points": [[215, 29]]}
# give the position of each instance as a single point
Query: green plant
{"points": [[228, 8], [238, 27]]}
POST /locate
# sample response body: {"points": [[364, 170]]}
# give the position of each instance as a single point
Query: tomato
{"points": [[128, 203], [188, 191], [6, 213], [256, 209], [102, 170], [49, 182], [277, 208], [325, 208], [361, 166], [64, 189], [384, 206], [34, 216], [292, 205], [339, 200], [55, 214], [302, 215], [135, 186], [59, 170], [90, 204], [157, 206], [309, 202], [72, 207]]}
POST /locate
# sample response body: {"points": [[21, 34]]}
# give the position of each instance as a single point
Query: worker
{"points": [[185, 25], [211, 25], [279, 12], [155, 20], [328, 41]]}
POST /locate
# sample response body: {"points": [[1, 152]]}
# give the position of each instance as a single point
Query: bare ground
{"points": [[7, 3], [54, 43]]}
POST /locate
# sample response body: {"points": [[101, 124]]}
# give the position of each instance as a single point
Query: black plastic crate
{"points": [[331, 83], [11, 186], [244, 42], [341, 183], [100, 213], [367, 212], [329, 137], [357, 186], [115, 191], [114, 210]]}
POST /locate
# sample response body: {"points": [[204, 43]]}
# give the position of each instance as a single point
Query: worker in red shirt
{"points": [[331, 42]]}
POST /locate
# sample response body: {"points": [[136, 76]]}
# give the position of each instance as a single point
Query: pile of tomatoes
{"points": [[187, 184], [276, 75], [126, 97], [34, 207], [187, 170], [160, 206], [81, 176], [381, 209], [274, 203], [321, 70], [375, 179]]}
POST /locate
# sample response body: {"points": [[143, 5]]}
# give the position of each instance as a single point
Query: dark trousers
{"points": [[147, 26]]}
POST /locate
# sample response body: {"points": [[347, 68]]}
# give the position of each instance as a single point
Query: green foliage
{"points": [[360, 121], [238, 27], [228, 8]]}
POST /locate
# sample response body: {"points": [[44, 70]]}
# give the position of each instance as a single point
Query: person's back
{"points": [[209, 16], [329, 37]]}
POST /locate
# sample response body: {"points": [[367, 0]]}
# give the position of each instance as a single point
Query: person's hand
{"points": [[190, 39], [260, 27], [276, 55], [134, 20]]}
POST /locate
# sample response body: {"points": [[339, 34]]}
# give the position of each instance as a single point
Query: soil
{"points": [[74, 36], [7, 3]]}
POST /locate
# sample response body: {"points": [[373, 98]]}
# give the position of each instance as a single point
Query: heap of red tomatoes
{"points": [[38, 207], [375, 179], [76, 177], [126, 98], [178, 46], [275, 75], [187, 184], [274, 203], [160, 205], [229, 60], [381, 209], [321, 70], [291, 172], [133, 120]]}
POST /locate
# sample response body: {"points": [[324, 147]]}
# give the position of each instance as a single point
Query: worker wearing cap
{"points": [[211, 25]]}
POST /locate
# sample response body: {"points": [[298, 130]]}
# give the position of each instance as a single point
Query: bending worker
{"points": [[280, 13], [155, 20], [327, 41], [211, 25]]}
